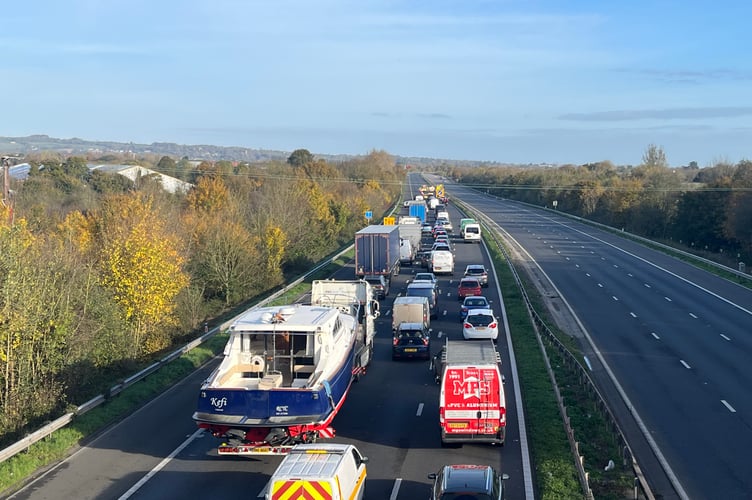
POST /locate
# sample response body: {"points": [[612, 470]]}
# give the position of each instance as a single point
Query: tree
{"points": [[300, 157], [142, 266]]}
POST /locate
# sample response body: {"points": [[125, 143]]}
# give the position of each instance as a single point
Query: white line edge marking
{"points": [[730, 408], [420, 410], [161, 465], [686, 365], [395, 488]]}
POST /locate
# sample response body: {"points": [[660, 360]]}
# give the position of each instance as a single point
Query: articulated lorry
{"points": [[377, 251]]}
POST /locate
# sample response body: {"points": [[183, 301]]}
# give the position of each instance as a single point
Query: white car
{"points": [[430, 277], [480, 324]]}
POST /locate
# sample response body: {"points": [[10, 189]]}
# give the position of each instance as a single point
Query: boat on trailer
{"points": [[285, 374]]}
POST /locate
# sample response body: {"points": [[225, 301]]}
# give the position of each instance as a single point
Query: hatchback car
{"points": [[379, 285], [439, 232], [468, 287], [467, 482], [471, 303], [426, 230], [477, 271], [411, 340], [426, 277], [480, 324]]}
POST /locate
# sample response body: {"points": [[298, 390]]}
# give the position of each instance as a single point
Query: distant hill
{"points": [[36, 143]]}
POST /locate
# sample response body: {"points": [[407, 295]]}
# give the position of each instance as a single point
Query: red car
{"points": [[468, 287]]}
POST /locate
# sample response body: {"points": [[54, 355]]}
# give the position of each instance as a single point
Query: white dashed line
{"points": [[668, 299], [646, 285], [395, 489], [600, 285], [633, 315], [730, 408], [420, 410], [615, 297], [587, 274], [686, 365], [655, 335], [725, 337], [692, 314]]}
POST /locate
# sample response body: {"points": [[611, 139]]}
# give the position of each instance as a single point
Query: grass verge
{"points": [[555, 474]]}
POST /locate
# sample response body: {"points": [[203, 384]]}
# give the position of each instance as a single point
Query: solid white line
{"points": [[633, 315], [420, 410], [691, 314], [685, 364], [655, 335], [395, 489], [725, 337], [730, 408], [161, 465]]}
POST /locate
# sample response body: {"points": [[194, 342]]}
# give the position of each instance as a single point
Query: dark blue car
{"points": [[474, 302]]}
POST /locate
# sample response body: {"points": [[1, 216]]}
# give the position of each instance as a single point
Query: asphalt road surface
{"points": [[677, 339]]}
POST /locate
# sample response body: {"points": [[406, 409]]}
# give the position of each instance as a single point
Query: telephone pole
{"points": [[7, 201]]}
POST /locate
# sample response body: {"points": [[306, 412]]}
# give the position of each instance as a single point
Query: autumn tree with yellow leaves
{"points": [[142, 266]]}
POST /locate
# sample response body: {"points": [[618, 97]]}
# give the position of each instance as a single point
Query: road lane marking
{"points": [[161, 465], [646, 285], [692, 314], [600, 285], [686, 365], [655, 335], [668, 299], [730, 408], [725, 337], [633, 315], [395, 489], [615, 297], [420, 410], [587, 362]]}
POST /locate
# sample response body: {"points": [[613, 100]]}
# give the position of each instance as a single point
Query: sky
{"points": [[511, 81]]}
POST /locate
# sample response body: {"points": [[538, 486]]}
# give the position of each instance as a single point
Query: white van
{"points": [[471, 233], [337, 471], [442, 261], [411, 310]]}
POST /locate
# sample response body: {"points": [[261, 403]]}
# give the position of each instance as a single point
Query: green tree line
{"points": [[99, 274], [705, 210]]}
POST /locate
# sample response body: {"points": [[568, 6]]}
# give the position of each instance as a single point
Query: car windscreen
{"points": [[480, 319], [421, 292]]}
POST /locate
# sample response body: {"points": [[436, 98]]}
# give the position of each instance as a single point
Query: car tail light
{"points": [[464, 309], [425, 341], [395, 341], [467, 325], [492, 325]]}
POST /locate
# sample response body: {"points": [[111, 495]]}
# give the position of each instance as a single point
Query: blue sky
{"points": [[570, 81]]}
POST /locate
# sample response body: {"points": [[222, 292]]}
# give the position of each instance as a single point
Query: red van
{"points": [[472, 406]]}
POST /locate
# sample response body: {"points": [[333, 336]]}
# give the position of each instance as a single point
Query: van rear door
{"points": [[472, 406]]}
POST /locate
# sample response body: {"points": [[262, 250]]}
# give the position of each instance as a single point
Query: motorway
{"points": [[677, 339], [391, 415]]}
